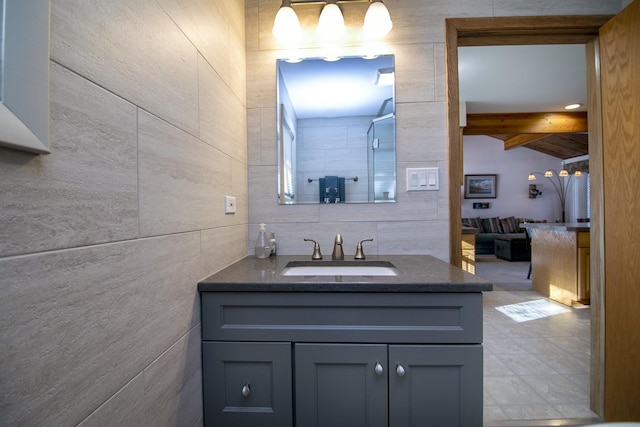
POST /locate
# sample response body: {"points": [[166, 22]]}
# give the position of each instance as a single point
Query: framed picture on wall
{"points": [[480, 186]]}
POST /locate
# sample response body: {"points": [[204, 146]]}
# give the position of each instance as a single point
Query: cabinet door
{"points": [[435, 385], [247, 384], [341, 385]]}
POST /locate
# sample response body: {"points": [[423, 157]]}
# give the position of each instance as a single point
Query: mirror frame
{"points": [[24, 75]]}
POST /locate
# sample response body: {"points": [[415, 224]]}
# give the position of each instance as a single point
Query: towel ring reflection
{"points": [[348, 178]]}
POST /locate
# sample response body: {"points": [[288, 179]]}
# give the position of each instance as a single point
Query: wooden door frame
{"points": [[529, 31]]}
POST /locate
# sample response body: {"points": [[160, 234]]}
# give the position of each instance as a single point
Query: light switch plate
{"points": [[229, 204], [423, 179]]}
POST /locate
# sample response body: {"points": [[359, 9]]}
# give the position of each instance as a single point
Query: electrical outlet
{"points": [[229, 204]]}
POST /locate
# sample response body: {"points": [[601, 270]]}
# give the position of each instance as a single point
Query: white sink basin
{"points": [[339, 268]]}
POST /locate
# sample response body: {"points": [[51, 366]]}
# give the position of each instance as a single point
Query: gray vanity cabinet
{"points": [[247, 384], [338, 359], [435, 382], [341, 385]]}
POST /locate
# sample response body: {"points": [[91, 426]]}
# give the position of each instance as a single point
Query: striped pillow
{"points": [[509, 225], [494, 225]]}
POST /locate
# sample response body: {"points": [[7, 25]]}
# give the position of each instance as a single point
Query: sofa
{"points": [[490, 228]]}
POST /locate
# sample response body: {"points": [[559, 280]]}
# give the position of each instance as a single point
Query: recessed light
{"points": [[572, 106]]}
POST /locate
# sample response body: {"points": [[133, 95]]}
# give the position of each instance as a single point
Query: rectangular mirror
{"points": [[336, 130]]}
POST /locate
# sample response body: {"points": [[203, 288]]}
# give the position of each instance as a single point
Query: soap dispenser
{"points": [[262, 243]]}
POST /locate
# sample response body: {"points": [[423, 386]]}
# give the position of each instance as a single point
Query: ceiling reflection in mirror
{"points": [[336, 130]]}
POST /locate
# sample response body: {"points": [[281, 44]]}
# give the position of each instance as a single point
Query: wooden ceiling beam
{"points": [[516, 141], [518, 123]]}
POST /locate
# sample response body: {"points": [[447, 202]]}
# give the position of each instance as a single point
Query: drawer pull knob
{"points": [[246, 390], [400, 371], [379, 370]]}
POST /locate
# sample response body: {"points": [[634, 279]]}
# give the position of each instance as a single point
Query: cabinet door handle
{"points": [[246, 390], [379, 370], [400, 371]]}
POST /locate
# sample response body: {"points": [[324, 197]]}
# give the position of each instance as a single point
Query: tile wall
{"points": [[102, 242]]}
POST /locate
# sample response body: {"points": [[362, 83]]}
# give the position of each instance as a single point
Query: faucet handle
{"points": [[316, 249], [359, 252]]}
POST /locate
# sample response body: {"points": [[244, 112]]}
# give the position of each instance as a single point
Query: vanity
{"points": [[342, 350]]}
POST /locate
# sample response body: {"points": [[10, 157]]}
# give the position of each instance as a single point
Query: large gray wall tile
{"points": [[205, 25], [88, 333], [81, 323], [223, 122], [132, 48], [173, 384], [85, 191], [122, 409], [222, 246], [181, 179]]}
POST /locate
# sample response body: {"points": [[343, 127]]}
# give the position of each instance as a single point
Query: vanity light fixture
{"points": [[331, 22], [377, 21], [286, 26]]}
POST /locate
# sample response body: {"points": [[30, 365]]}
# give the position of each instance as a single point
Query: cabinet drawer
{"points": [[247, 384], [343, 317]]}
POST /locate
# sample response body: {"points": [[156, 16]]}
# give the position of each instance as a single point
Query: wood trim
{"points": [[525, 30], [514, 30], [456, 171], [620, 92], [516, 123]]}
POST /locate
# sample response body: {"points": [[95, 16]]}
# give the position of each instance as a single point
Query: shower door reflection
{"points": [[381, 159]]}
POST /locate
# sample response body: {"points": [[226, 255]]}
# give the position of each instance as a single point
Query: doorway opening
{"points": [[526, 31]]}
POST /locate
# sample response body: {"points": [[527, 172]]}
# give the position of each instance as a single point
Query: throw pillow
{"points": [[494, 225]]}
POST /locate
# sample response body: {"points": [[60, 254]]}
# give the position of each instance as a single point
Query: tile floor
{"points": [[536, 372]]}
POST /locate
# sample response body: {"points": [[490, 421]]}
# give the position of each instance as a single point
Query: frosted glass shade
{"points": [[286, 25], [377, 21], [331, 23]]}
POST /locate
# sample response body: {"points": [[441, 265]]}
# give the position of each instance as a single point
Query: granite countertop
{"points": [[417, 273], [558, 226]]}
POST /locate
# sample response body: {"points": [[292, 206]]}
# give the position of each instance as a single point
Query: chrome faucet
{"points": [[337, 253], [359, 251], [316, 249]]}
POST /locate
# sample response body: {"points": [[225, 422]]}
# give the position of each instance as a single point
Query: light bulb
{"points": [[548, 173], [532, 177], [563, 172], [286, 26], [377, 21], [331, 22]]}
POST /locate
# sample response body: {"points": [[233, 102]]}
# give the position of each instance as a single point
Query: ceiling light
{"points": [[377, 21], [572, 106], [286, 25], [331, 22]]}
